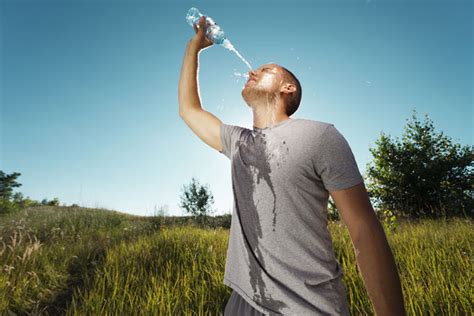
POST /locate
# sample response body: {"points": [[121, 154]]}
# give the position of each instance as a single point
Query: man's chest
{"points": [[283, 160]]}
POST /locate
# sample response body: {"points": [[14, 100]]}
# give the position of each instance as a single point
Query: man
{"points": [[280, 258]]}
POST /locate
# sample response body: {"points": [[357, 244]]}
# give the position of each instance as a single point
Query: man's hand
{"points": [[200, 41]]}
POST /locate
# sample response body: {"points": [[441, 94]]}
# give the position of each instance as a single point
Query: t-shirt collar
{"points": [[272, 126]]}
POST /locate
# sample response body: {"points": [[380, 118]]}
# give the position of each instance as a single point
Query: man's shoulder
{"points": [[315, 124], [235, 128]]}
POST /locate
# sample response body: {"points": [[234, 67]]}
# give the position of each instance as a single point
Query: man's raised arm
{"points": [[204, 124], [188, 96]]}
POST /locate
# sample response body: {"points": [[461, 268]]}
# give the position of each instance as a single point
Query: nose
{"points": [[252, 74]]}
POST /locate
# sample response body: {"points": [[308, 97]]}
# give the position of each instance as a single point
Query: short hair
{"points": [[295, 98]]}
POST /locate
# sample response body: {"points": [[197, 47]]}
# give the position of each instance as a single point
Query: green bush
{"points": [[7, 206]]}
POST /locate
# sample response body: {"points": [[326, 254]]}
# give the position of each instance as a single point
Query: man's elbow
{"points": [[182, 109], [184, 113]]}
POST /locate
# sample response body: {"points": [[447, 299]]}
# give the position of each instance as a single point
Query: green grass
{"points": [[86, 261]]}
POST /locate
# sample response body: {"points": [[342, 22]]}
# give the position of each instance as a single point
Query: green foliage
{"points": [[29, 203], [224, 221], [7, 206], [424, 175], [12, 202], [54, 202], [7, 183], [333, 214], [196, 200], [18, 197], [389, 220], [8, 200]]}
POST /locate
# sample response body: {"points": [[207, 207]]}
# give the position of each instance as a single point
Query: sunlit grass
{"points": [[85, 261], [178, 271], [435, 262]]}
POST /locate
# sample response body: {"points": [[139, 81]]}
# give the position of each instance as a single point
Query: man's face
{"points": [[265, 81]]}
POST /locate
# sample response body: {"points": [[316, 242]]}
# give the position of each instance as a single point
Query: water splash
{"points": [[227, 44], [241, 74]]}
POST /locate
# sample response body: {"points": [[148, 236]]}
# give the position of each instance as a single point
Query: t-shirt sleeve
{"points": [[230, 134], [335, 163]]}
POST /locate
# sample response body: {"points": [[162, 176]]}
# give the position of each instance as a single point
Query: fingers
{"points": [[202, 21], [201, 30]]}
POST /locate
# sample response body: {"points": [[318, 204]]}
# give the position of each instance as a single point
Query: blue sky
{"points": [[89, 103]]}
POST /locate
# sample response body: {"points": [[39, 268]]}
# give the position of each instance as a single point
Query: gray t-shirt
{"points": [[280, 257]]}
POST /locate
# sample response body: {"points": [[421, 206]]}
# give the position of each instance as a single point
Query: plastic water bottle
{"points": [[213, 31]]}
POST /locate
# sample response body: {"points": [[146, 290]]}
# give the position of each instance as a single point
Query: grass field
{"points": [[97, 262]]}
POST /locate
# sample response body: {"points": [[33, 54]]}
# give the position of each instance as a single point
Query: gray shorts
{"points": [[237, 306]]}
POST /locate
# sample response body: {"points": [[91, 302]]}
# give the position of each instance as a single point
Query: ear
{"points": [[288, 88]]}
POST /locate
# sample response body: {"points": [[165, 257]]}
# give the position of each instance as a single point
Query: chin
{"points": [[245, 93]]}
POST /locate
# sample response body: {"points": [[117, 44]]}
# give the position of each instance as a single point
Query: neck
{"points": [[268, 113]]}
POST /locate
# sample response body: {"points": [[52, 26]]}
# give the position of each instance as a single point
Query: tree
{"points": [[162, 210], [197, 200], [7, 183], [8, 201], [54, 202], [18, 197], [424, 175], [159, 216]]}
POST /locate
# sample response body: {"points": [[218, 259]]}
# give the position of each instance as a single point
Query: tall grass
{"points": [[85, 261], [434, 259], [178, 271]]}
